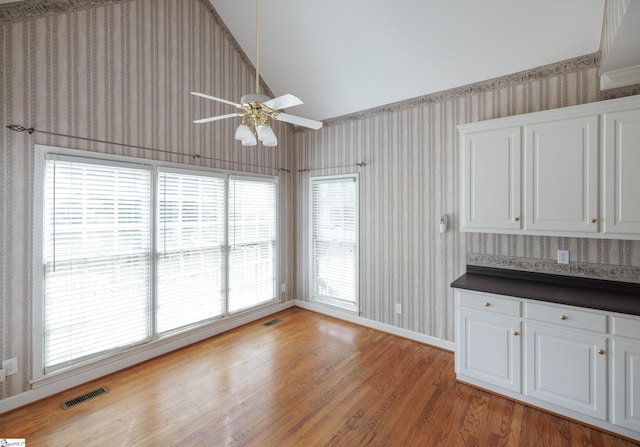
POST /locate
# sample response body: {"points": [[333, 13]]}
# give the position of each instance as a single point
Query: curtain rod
{"points": [[31, 130], [361, 165]]}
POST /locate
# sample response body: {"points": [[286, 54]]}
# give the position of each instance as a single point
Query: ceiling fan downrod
{"points": [[257, 48]]}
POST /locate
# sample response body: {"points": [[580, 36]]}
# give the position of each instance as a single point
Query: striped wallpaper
{"points": [[121, 70], [412, 176]]}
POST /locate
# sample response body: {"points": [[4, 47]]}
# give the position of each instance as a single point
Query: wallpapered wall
{"points": [[412, 176], [119, 72]]}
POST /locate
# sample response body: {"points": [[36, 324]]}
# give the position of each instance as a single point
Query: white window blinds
{"points": [[132, 252], [96, 258], [334, 241], [252, 241], [191, 235]]}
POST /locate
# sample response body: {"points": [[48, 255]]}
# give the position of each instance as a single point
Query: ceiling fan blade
{"points": [[299, 121], [216, 118], [217, 99], [282, 102]]}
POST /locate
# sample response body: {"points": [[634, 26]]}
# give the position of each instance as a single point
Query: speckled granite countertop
{"points": [[610, 296]]}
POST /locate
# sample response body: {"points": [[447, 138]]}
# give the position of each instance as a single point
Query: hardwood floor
{"points": [[308, 380]]}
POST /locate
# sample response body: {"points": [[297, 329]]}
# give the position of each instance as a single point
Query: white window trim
{"points": [[170, 341], [355, 308]]}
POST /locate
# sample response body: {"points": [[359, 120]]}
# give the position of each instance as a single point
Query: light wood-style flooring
{"points": [[309, 380]]}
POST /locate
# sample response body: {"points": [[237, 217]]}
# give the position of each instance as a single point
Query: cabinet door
{"points": [[567, 368], [622, 165], [489, 349], [491, 180], [561, 171], [626, 384]]}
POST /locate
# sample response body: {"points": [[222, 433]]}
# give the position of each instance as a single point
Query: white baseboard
{"points": [[411, 335], [69, 379], [65, 380]]}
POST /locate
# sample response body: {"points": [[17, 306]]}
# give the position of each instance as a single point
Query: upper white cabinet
{"points": [[492, 179], [562, 172], [622, 181]]}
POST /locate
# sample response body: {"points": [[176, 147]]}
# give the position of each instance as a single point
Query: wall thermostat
{"points": [[443, 223]]}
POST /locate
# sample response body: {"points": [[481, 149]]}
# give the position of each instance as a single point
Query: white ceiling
{"points": [[344, 56]]}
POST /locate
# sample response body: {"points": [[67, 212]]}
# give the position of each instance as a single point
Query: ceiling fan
{"points": [[256, 110]]}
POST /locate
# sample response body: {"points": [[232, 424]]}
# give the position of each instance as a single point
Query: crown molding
{"points": [[567, 66], [620, 78]]}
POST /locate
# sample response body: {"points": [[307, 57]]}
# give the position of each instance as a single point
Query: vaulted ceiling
{"points": [[344, 56]]}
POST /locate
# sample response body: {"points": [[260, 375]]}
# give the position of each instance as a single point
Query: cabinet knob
{"points": [[563, 317], [516, 219], [600, 351], [487, 304], [592, 220], [516, 333]]}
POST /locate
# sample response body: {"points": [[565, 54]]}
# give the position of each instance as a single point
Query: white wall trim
{"points": [[64, 381], [69, 379], [383, 327], [620, 78]]}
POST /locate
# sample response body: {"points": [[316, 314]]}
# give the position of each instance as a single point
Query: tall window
{"points": [[97, 257], [191, 249], [132, 252], [334, 240], [252, 243]]}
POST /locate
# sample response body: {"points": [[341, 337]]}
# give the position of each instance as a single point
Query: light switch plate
{"points": [[563, 256]]}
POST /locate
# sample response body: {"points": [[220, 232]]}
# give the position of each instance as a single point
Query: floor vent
{"points": [[272, 322], [85, 397]]}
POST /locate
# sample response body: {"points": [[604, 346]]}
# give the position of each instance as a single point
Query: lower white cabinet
{"points": [[567, 368], [501, 364], [626, 372], [579, 362]]}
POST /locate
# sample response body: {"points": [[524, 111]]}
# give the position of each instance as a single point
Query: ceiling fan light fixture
{"points": [[243, 132], [270, 143], [265, 133], [256, 110], [250, 141]]}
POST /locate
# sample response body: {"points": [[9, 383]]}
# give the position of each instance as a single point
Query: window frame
{"points": [[328, 301], [156, 167]]}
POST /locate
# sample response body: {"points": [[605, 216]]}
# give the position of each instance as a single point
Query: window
{"points": [[97, 257], [191, 249], [252, 243], [135, 251], [334, 240]]}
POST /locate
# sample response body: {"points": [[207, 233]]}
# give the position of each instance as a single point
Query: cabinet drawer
{"points": [[625, 327], [490, 303], [566, 316]]}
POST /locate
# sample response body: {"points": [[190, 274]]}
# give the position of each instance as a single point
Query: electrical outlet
{"points": [[283, 287], [398, 308], [10, 366]]}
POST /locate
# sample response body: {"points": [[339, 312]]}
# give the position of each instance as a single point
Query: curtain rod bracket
{"points": [[18, 128]]}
